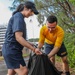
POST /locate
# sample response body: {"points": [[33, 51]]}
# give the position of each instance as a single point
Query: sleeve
{"points": [[59, 40], [17, 24], [42, 36]]}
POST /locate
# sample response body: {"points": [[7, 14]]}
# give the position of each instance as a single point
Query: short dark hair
{"points": [[52, 19], [28, 5]]}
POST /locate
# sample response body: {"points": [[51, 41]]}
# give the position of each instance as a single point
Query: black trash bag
{"points": [[41, 65]]}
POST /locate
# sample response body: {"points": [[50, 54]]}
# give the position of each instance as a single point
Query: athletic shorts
{"points": [[13, 60], [62, 51]]}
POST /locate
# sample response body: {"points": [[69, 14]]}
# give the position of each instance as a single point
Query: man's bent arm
{"points": [[53, 52]]}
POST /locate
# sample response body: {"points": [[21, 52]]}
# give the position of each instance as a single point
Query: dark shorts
{"points": [[12, 60], [62, 51]]}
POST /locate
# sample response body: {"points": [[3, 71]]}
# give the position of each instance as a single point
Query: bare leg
{"points": [[11, 72], [65, 65], [22, 70]]}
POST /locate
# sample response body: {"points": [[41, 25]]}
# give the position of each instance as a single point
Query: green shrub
{"points": [[70, 45]]}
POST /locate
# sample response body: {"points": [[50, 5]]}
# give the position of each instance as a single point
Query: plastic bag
{"points": [[41, 65]]}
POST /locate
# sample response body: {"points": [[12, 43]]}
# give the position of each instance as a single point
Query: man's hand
{"points": [[38, 52], [49, 56]]}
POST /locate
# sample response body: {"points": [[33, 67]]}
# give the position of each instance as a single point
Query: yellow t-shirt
{"points": [[55, 37]]}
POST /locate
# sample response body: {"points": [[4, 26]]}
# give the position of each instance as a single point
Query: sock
{"points": [[67, 73]]}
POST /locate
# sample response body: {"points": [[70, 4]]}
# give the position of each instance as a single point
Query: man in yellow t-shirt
{"points": [[52, 36]]}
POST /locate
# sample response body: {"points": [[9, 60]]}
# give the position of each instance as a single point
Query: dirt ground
{"points": [[59, 67]]}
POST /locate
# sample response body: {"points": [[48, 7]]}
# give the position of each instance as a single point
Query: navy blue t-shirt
{"points": [[16, 23]]}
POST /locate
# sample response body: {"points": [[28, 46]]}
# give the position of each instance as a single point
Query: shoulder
{"points": [[18, 15], [43, 27], [60, 30]]}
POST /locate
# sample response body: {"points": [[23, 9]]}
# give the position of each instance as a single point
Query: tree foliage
{"points": [[70, 45], [63, 9]]}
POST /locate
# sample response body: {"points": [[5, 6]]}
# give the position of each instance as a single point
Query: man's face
{"points": [[51, 26]]}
